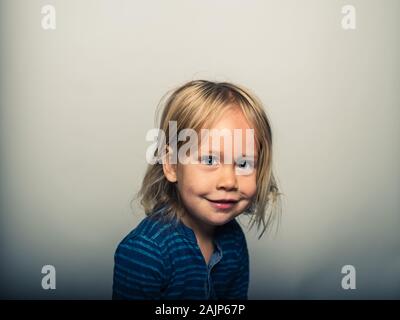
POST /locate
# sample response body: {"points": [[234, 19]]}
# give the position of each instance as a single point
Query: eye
{"points": [[245, 166], [209, 160]]}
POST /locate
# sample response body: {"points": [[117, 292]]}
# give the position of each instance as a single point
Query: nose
{"points": [[227, 178]]}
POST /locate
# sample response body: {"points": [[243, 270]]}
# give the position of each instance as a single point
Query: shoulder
{"points": [[153, 229], [142, 247]]}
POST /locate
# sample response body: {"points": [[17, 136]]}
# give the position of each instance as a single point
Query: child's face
{"points": [[204, 187]]}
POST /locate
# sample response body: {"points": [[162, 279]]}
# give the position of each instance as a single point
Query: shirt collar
{"points": [[188, 233]]}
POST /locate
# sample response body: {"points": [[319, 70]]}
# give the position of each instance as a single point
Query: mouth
{"points": [[223, 204]]}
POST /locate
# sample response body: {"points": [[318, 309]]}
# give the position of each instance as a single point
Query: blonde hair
{"points": [[197, 104]]}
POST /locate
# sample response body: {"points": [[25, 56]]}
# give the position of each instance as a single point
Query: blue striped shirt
{"points": [[160, 259]]}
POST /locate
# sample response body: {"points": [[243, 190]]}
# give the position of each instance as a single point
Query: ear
{"points": [[168, 167]]}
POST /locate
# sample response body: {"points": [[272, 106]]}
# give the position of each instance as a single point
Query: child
{"points": [[190, 246]]}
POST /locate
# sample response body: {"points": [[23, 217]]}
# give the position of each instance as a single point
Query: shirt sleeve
{"points": [[238, 287], [138, 270]]}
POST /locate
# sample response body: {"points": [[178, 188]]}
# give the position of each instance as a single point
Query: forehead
{"points": [[231, 132], [231, 118]]}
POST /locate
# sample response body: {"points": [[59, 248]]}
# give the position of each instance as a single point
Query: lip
{"points": [[223, 204], [224, 200]]}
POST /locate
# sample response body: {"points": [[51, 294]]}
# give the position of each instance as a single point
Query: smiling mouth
{"points": [[223, 204]]}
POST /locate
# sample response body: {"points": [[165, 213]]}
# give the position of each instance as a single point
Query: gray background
{"points": [[76, 103]]}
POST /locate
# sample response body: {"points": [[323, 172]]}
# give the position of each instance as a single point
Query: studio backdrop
{"points": [[79, 85]]}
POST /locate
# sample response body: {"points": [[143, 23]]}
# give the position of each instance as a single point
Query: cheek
{"points": [[192, 181], [248, 186]]}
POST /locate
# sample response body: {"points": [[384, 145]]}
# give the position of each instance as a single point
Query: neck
{"points": [[202, 231]]}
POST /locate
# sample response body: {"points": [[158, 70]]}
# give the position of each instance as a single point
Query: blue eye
{"points": [[209, 160], [245, 166]]}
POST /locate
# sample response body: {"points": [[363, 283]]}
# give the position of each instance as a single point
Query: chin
{"points": [[220, 218]]}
